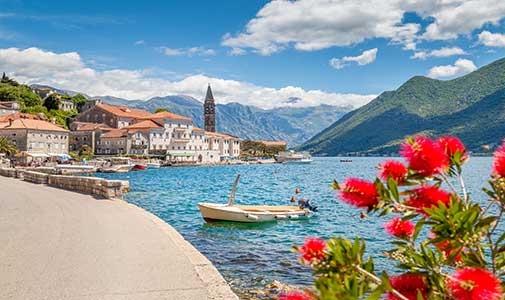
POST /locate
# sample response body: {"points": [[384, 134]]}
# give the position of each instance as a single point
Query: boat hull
{"points": [[250, 214], [139, 167]]}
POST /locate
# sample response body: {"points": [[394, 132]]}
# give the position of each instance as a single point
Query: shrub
{"points": [[444, 245]]}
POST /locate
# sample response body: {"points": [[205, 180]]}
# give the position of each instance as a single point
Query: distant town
{"points": [[91, 127]]}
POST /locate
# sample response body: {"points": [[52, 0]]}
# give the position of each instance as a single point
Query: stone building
{"points": [[88, 134], [165, 134], [209, 111], [89, 104], [113, 116], [36, 136], [8, 107], [66, 104]]}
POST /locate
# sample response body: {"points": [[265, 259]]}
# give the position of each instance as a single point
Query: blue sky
{"points": [[335, 52]]}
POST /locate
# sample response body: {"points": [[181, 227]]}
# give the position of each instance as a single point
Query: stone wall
{"points": [[103, 188]]}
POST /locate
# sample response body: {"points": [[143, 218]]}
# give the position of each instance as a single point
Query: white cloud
{"points": [[492, 39], [455, 17], [237, 51], [443, 52], [364, 58], [68, 71], [193, 51], [139, 42], [460, 67], [317, 24]]}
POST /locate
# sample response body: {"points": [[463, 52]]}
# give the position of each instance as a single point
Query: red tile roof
{"points": [[219, 134], [115, 133], [168, 115], [85, 126], [273, 143], [18, 115], [31, 124], [146, 124], [124, 111]]}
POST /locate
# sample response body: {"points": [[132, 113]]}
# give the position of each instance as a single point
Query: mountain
{"points": [[471, 107], [293, 125]]}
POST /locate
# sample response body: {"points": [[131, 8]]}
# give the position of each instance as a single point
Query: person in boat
{"points": [[305, 203]]}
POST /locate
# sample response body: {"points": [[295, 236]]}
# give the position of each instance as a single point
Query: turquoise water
{"points": [[250, 256]]}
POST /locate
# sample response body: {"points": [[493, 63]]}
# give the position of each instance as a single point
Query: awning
{"points": [[181, 153]]}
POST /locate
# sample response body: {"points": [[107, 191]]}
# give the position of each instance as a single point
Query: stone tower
{"points": [[209, 111]]}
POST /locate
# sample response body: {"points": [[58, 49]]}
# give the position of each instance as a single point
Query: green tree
{"points": [[7, 147], [21, 94], [52, 102], [6, 79], [160, 109]]}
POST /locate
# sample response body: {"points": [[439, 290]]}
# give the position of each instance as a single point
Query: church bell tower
{"points": [[209, 111]]}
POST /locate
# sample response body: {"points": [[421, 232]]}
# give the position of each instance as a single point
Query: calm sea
{"points": [[251, 256]]}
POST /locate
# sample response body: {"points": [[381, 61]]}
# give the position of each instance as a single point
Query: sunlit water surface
{"points": [[250, 256]]}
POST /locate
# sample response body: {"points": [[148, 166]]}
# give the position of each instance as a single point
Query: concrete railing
{"points": [[104, 188]]}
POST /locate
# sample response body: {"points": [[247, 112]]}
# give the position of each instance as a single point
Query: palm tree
{"points": [[7, 147]]}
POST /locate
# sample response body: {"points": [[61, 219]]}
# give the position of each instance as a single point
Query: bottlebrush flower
{"points": [[499, 161], [425, 156], [359, 192], [447, 250], [313, 249], [426, 197], [295, 295], [393, 169], [408, 285], [475, 284], [452, 145], [399, 228]]}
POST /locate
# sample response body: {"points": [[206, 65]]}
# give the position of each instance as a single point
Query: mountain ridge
{"points": [[421, 105]]}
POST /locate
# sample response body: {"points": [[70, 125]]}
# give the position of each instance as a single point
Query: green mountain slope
{"points": [[471, 107]]}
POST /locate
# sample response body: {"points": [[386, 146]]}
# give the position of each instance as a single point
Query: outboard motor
{"points": [[305, 203]]}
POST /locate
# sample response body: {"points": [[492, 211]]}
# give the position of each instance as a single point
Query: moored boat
{"points": [[117, 169], [212, 212], [138, 167], [153, 165], [292, 157]]}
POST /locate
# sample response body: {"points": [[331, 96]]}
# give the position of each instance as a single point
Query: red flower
{"points": [[393, 169], [313, 249], [447, 250], [295, 295], [452, 145], [360, 193], [399, 228], [426, 197], [499, 161], [475, 284], [408, 285], [425, 156]]}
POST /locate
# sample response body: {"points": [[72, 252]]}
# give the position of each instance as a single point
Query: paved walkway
{"points": [[57, 244]]}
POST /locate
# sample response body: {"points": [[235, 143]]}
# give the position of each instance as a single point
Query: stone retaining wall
{"points": [[103, 188]]}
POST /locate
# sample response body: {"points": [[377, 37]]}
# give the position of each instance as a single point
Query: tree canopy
{"points": [[160, 109]]}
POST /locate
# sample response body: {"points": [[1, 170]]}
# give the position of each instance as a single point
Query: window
{"points": [[56, 146]]}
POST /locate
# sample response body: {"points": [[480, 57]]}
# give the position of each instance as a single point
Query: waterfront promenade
{"points": [[57, 244]]}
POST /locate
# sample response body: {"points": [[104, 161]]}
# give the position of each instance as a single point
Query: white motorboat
{"points": [[292, 157], [153, 165], [212, 212], [299, 161]]}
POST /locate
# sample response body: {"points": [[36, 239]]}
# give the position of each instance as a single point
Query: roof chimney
{"points": [[53, 120]]}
